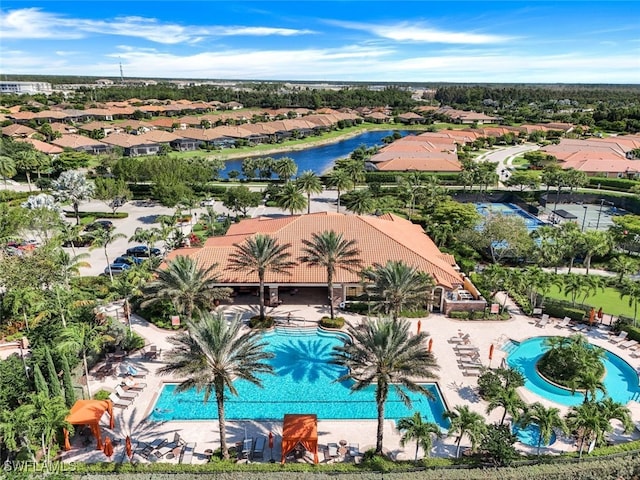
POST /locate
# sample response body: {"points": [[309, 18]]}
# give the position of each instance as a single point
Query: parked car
{"points": [[209, 202], [116, 268], [143, 251], [79, 242], [131, 261], [99, 224]]}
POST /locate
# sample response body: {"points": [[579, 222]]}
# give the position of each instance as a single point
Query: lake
{"points": [[320, 159]]}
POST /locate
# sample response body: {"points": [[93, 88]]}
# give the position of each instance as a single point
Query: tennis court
{"points": [[592, 216]]}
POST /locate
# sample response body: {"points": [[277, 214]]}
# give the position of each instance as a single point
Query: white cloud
{"points": [[33, 23], [417, 32]]}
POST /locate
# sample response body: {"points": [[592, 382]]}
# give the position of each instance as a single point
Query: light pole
{"points": [[584, 217], [602, 202]]}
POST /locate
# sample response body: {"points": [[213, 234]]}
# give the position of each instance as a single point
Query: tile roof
{"points": [[73, 140], [17, 130], [42, 146], [379, 239], [127, 140]]}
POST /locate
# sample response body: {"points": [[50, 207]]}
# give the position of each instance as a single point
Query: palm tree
{"points": [[68, 232], [590, 382], [285, 168], [7, 168], [573, 285], [360, 202], [261, 254], [341, 181], [465, 422], [613, 410], [102, 239], [309, 183], [69, 265], [147, 237], [331, 251], [384, 353], [291, 198], [50, 419], [83, 338], [588, 420], [595, 243], [547, 419], [508, 399], [422, 432], [624, 265], [186, 285], [211, 356], [399, 285], [631, 289]]}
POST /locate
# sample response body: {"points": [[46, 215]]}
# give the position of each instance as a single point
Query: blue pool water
{"points": [[304, 382], [509, 209], [319, 159], [530, 434], [621, 380]]}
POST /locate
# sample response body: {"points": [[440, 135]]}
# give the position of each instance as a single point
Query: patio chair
{"points": [[148, 448], [470, 365], [258, 447], [466, 338], [119, 402], [332, 448], [619, 338], [354, 449], [564, 323], [628, 344], [579, 327], [247, 448], [187, 453], [167, 447], [125, 395], [543, 321], [151, 353], [471, 373], [469, 348], [130, 384]]}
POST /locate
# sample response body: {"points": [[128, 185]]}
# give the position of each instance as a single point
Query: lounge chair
{"points": [[187, 453], [258, 447], [167, 447], [543, 321], [579, 327], [119, 402], [628, 344], [471, 373], [354, 449], [247, 448], [148, 448], [461, 349], [619, 338], [125, 395], [332, 448], [470, 365], [466, 338], [130, 384], [564, 323], [151, 353]]}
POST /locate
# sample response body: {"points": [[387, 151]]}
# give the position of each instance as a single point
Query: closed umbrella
{"points": [[491, 354], [271, 445], [430, 345], [419, 326], [592, 316], [127, 447], [108, 448], [600, 313]]}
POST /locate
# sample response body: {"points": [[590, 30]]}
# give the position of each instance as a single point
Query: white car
{"points": [[210, 202]]}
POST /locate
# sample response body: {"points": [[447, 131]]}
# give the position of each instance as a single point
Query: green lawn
{"points": [[609, 300]]}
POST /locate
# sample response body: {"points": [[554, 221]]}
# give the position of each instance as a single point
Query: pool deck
{"points": [[456, 389]]}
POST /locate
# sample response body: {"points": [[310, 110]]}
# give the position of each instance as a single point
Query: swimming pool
{"points": [[509, 209], [529, 435], [621, 380], [304, 382]]}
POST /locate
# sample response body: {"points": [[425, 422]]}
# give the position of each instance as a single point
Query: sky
{"points": [[339, 41]]}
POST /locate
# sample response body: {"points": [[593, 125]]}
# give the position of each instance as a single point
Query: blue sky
{"points": [[375, 41]]}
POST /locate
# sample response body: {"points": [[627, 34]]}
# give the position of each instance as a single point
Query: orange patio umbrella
{"points": [[592, 316], [419, 326], [491, 352], [127, 447], [108, 448], [430, 345]]}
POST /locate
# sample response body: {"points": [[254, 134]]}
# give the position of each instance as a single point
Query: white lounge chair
{"points": [[564, 323], [579, 327], [187, 453], [125, 395], [119, 402], [619, 338], [247, 447], [332, 448], [466, 338], [167, 447], [543, 321], [628, 344]]}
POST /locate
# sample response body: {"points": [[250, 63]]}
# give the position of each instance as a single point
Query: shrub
{"points": [[633, 333], [328, 322], [96, 215], [558, 310], [460, 315], [620, 184], [94, 286], [255, 322], [101, 395], [132, 341], [420, 313]]}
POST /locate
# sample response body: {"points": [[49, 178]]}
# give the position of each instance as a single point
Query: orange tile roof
{"points": [[73, 140], [17, 130], [431, 162], [379, 239], [42, 146]]}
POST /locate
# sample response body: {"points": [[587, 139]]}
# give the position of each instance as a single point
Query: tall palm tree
{"points": [[414, 428], [631, 289], [102, 239], [331, 251], [309, 183], [291, 198], [588, 420], [595, 243], [547, 419], [589, 382], [83, 338], [7, 168], [613, 410], [508, 399], [624, 265], [285, 168], [384, 353], [399, 285], [360, 202], [261, 254], [573, 285], [69, 265], [147, 237], [186, 285], [341, 181], [211, 356], [465, 422], [50, 419]]}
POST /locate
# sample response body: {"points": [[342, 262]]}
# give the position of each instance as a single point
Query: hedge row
{"points": [[619, 184], [10, 196], [71, 214], [476, 315], [392, 177], [633, 333], [559, 309]]}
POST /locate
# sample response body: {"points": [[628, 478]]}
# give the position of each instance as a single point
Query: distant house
{"points": [[81, 143], [377, 117], [410, 118], [133, 145], [17, 131]]}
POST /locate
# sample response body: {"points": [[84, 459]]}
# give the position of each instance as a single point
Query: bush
{"points": [[96, 215], [420, 313], [132, 341], [460, 315], [328, 322], [255, 322], [101, 395], [619, 184], [559, 310], [633, 333], [99, 287]]}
